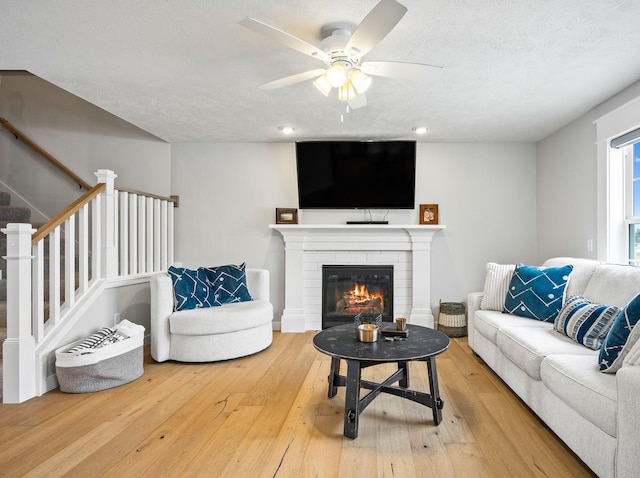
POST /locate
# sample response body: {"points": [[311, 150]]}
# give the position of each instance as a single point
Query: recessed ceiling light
{"points": [[286, 129], [419, 129]]}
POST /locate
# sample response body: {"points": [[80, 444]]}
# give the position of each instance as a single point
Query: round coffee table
{"points": [[341, 343]]}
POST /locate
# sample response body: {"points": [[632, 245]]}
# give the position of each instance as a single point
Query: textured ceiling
{"points": [[185, 71]]}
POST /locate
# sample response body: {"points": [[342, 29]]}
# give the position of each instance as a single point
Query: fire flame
{"points": [[360, 294]]}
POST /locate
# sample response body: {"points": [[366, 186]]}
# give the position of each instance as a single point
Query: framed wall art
{"points": [[286, 216], [428, 214]]}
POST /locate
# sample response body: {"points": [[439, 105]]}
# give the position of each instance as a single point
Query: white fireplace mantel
{"points": [[325, 241]]}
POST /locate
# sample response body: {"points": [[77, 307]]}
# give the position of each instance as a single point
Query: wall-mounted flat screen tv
{"points": [[356, 174]]}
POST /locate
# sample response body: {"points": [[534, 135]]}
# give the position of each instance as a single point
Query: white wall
{"points": [[229, 192], [81, 136], [486, 197], [567, 178]]}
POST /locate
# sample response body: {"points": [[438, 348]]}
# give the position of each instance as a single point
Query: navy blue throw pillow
{"points": [[620, 339], [537, 292], [228, 283], [190, 289]]}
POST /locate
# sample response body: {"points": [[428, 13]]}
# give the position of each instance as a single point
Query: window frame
{"points": [[612, 230], [631, 152]]}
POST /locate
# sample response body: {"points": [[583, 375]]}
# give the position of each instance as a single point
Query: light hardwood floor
{"points": [[268, 415]]}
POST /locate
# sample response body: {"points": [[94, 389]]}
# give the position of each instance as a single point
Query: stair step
{"points": [[3, 287], [3, 239], [3, 313], [15, 214], [3, 266]]}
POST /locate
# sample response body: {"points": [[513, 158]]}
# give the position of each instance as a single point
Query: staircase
{"points": [[131, 239], [112, 238]]}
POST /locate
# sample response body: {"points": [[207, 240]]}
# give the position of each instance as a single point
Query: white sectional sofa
{"points": [[213, 333], [596, 414]]}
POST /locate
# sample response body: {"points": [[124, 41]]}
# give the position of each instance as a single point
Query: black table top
{"points": [[342, 342]]}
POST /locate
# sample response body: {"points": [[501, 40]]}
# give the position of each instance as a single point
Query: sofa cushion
{"points": [[528, 346], [496, 283], [219, 320], [575, 379], [228, 283], [585, 322], [621, 338], [580, 276], [190, 289], [537, 292], [613, 284], [488, 322]]}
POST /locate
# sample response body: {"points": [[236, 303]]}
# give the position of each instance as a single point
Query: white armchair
{"points": [[213, 333]]}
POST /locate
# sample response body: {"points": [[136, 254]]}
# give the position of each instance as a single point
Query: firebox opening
{"points": [[350, 290]]}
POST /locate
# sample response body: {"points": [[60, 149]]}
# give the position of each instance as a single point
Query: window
{"points": [[618, 184], [632, 213]]}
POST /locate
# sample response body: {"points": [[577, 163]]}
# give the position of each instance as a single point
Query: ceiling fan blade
{"points": [[400, 69], [283, 37], [292, 80], [358, 102], [375, 26]]}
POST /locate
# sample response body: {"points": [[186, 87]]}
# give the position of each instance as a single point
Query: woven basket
{"points": [[452, 319]]}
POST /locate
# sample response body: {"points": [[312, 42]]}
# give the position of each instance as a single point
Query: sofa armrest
{"points": [[161, 310], [627, 456], [473, 303], [258, 284]]}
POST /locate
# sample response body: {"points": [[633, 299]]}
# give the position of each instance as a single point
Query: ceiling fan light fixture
{"points": [[347, 92], [360, 81], [342, 51], [337, 75], [323, 85]]}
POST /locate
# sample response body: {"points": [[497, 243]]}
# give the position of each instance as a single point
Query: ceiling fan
{"points": [[342, 51]]}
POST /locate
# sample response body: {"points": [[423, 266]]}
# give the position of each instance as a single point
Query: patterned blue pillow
{"points": [[585, 322], [537, 292], [618, 342], [229, 283], [190, 289]]}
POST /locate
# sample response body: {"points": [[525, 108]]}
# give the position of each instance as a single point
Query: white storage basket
{"points": [[92, 370]]}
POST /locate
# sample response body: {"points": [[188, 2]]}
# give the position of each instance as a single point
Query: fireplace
{"points": [[348, 290], [307, 247]]}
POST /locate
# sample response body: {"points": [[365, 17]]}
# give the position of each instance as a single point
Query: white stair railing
{"points": [[107, 234], [145, 233]]}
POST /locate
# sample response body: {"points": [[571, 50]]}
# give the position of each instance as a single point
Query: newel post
{"points": [[108, 223], [19, 378]]}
